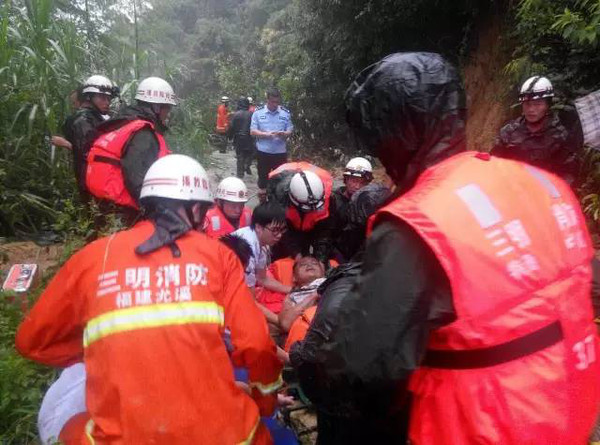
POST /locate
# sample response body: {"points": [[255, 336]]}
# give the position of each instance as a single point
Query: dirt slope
{"points": [[488, 95]]}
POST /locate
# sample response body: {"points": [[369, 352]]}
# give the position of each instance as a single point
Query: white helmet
{"points": [[224, 99], [232, 189], [155, 90], [177, 177], [98, 85], [307, 191], [536, 87], [360, 168], [250, 100]]}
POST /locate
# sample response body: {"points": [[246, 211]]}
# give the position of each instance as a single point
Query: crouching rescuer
{"points": [[145, 309]]}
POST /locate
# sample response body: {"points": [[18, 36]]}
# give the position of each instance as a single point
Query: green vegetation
{"points": [[311, 49]]}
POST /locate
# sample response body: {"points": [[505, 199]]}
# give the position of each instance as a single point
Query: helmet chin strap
{"points": [[311, 197]]}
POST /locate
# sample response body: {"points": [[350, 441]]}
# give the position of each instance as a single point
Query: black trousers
{"points": [[265, 162], [243, 157]]}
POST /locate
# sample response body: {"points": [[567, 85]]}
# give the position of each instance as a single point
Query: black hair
{"points": [[239, 246], [78, 92], [268, 213], [273, 92], [295, 266], [243, 103]]}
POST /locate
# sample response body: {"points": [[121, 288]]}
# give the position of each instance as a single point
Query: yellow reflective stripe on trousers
{"points": [[152, 316], [269, 388], [89, 427], [250, 437]]}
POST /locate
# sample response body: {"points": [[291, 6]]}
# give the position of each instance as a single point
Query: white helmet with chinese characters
{"points": [[177, 177], [155, 90], [232, 189], [307, 191]]}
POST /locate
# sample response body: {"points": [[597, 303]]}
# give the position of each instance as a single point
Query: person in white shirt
{"points": [[267, 227]]}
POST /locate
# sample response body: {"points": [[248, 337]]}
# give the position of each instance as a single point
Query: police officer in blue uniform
{"points": [[271, 125]]}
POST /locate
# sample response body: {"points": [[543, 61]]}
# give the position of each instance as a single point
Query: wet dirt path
{"points": [[221, 165]]}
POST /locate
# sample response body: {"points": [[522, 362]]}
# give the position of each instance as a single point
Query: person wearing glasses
{"points": [[266, 229]]}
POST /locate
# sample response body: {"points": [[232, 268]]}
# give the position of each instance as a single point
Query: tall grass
{"points": [[44, 54], [41, 57]]}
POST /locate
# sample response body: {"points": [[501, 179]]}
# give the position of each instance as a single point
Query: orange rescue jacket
{"points": [[104, 176], [306, 221], [300, 327], [222, 119], [283, 271], [216, 224], [519, 365], [149, 330]]}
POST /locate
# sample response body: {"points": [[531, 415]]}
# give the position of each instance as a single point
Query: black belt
{"points": [[107, 160], [495, 355]]}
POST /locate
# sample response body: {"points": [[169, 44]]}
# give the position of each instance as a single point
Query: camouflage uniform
{"points": [[556, 148]]}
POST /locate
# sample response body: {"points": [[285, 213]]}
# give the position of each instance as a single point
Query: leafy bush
{"points": [[22, 383]]}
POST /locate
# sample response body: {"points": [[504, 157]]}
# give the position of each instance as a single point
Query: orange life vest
{"points": [[104, 177], [519, 365], [216, 224], [305, 222], [300, 327], [281, 270], [222, 119]]}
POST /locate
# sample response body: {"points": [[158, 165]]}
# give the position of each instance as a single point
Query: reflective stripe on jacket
{"points": [[519, 365], [104, 176], [149, 330], [217, 225]]}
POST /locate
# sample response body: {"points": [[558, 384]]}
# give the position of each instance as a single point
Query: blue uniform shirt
{"points": [[265, 120]]}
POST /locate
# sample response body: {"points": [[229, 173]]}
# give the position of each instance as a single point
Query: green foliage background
{"points": [[311, 49]]}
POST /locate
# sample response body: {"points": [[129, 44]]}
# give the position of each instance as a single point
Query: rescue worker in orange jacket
{"points": [[229, 212], [223, 116], [129, 144], [146, 309], [475, 286], [222, 125], [304, 190]]}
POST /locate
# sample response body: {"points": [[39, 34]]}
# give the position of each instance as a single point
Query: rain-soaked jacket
{"points": [[311, 233], [409, 108], [354, 215], [556, 148], [81, 130]]}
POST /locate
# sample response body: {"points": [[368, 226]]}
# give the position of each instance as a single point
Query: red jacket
{"points": [[283, 271], [306, 221], [222, 119], [216, 224], [104, 176], [518, 366], [149, 330]]}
